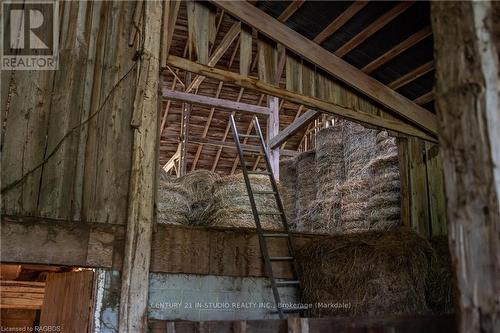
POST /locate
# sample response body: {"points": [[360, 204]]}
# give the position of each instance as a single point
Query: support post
{"points": [[137, 253], [468, 110], [273, 128]]}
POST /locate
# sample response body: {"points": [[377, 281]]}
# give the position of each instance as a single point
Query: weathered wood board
{"points": [[62, 128], [175, 249]]}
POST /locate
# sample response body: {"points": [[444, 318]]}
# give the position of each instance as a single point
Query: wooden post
{"points": [[273, 127], [135, 271], [468, 110]]}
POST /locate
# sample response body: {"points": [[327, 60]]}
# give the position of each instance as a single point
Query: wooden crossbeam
{"points": [[413, 75], [218, 103], [296, 126], [290, 10], [332, 64], [231, 145], [398, 49], [308, 101], [371, 29], [340, 21]]}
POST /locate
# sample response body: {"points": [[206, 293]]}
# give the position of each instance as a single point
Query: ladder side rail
{"points": [[277, 196], [262, 242]]}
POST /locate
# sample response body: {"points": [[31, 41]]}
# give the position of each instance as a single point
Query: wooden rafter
{"points": [[375, 26], [398, 49], [205, 129], [340, 21], [413, 75], [425, 98], [226, 133], [311, 102], [290, 10], [332, 64]]}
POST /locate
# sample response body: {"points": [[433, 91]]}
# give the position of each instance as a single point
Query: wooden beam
{"points": [[332, 64], [141, 199], [413, 75], [290, 10], [311, 102], [398, 49], [425, 98], [371, 29], [296, 126], [226, 42], [466, 46], [340, 21], [273, 127], [218, 103]]}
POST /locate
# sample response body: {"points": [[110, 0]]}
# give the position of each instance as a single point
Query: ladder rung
{"points": [[248, 136], [275, 235], [259, 173], [281, 258], [270, 213], [287, 283], [264, 192]]}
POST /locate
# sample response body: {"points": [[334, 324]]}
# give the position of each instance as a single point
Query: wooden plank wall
{"points": [[422, 187], [175, 249], [63, 128]]}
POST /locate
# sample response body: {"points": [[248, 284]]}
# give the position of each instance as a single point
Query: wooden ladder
{"points": [[263, 236]]}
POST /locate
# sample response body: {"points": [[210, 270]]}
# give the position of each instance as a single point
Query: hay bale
{"points": [[232, 205], [199, 185], [384, 206], [174, 203], [377, 273], [440, 288], [306, 183], [329, 160], [288, 188], [359, 148]]}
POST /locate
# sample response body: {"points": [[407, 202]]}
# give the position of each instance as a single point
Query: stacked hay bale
{"points": [[359, 146], [323, 214], [232, 205], [306, 184], [384, 206], [174, 203], [371, 273], [199, 185], [288, 189]]}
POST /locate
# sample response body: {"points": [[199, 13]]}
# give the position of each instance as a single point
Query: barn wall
{"points": [[422, 187], [170, 297], [67, 139]]}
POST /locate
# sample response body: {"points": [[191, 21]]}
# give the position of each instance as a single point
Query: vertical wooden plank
{"points": [[273, 127], [418, 187], [435, 183], [294, 73], [245, 49], [267, 59], [137, 254], [308, 79], [404, 172], [170, 11], [68, 301], [199, 29]]}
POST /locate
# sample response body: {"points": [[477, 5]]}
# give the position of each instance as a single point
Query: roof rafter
{"points": [[332, 64], [413, 75], [340, 21], [290, 10], [375, 26]]}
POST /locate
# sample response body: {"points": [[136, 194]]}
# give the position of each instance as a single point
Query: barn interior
{"points": [[255, 166]]}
